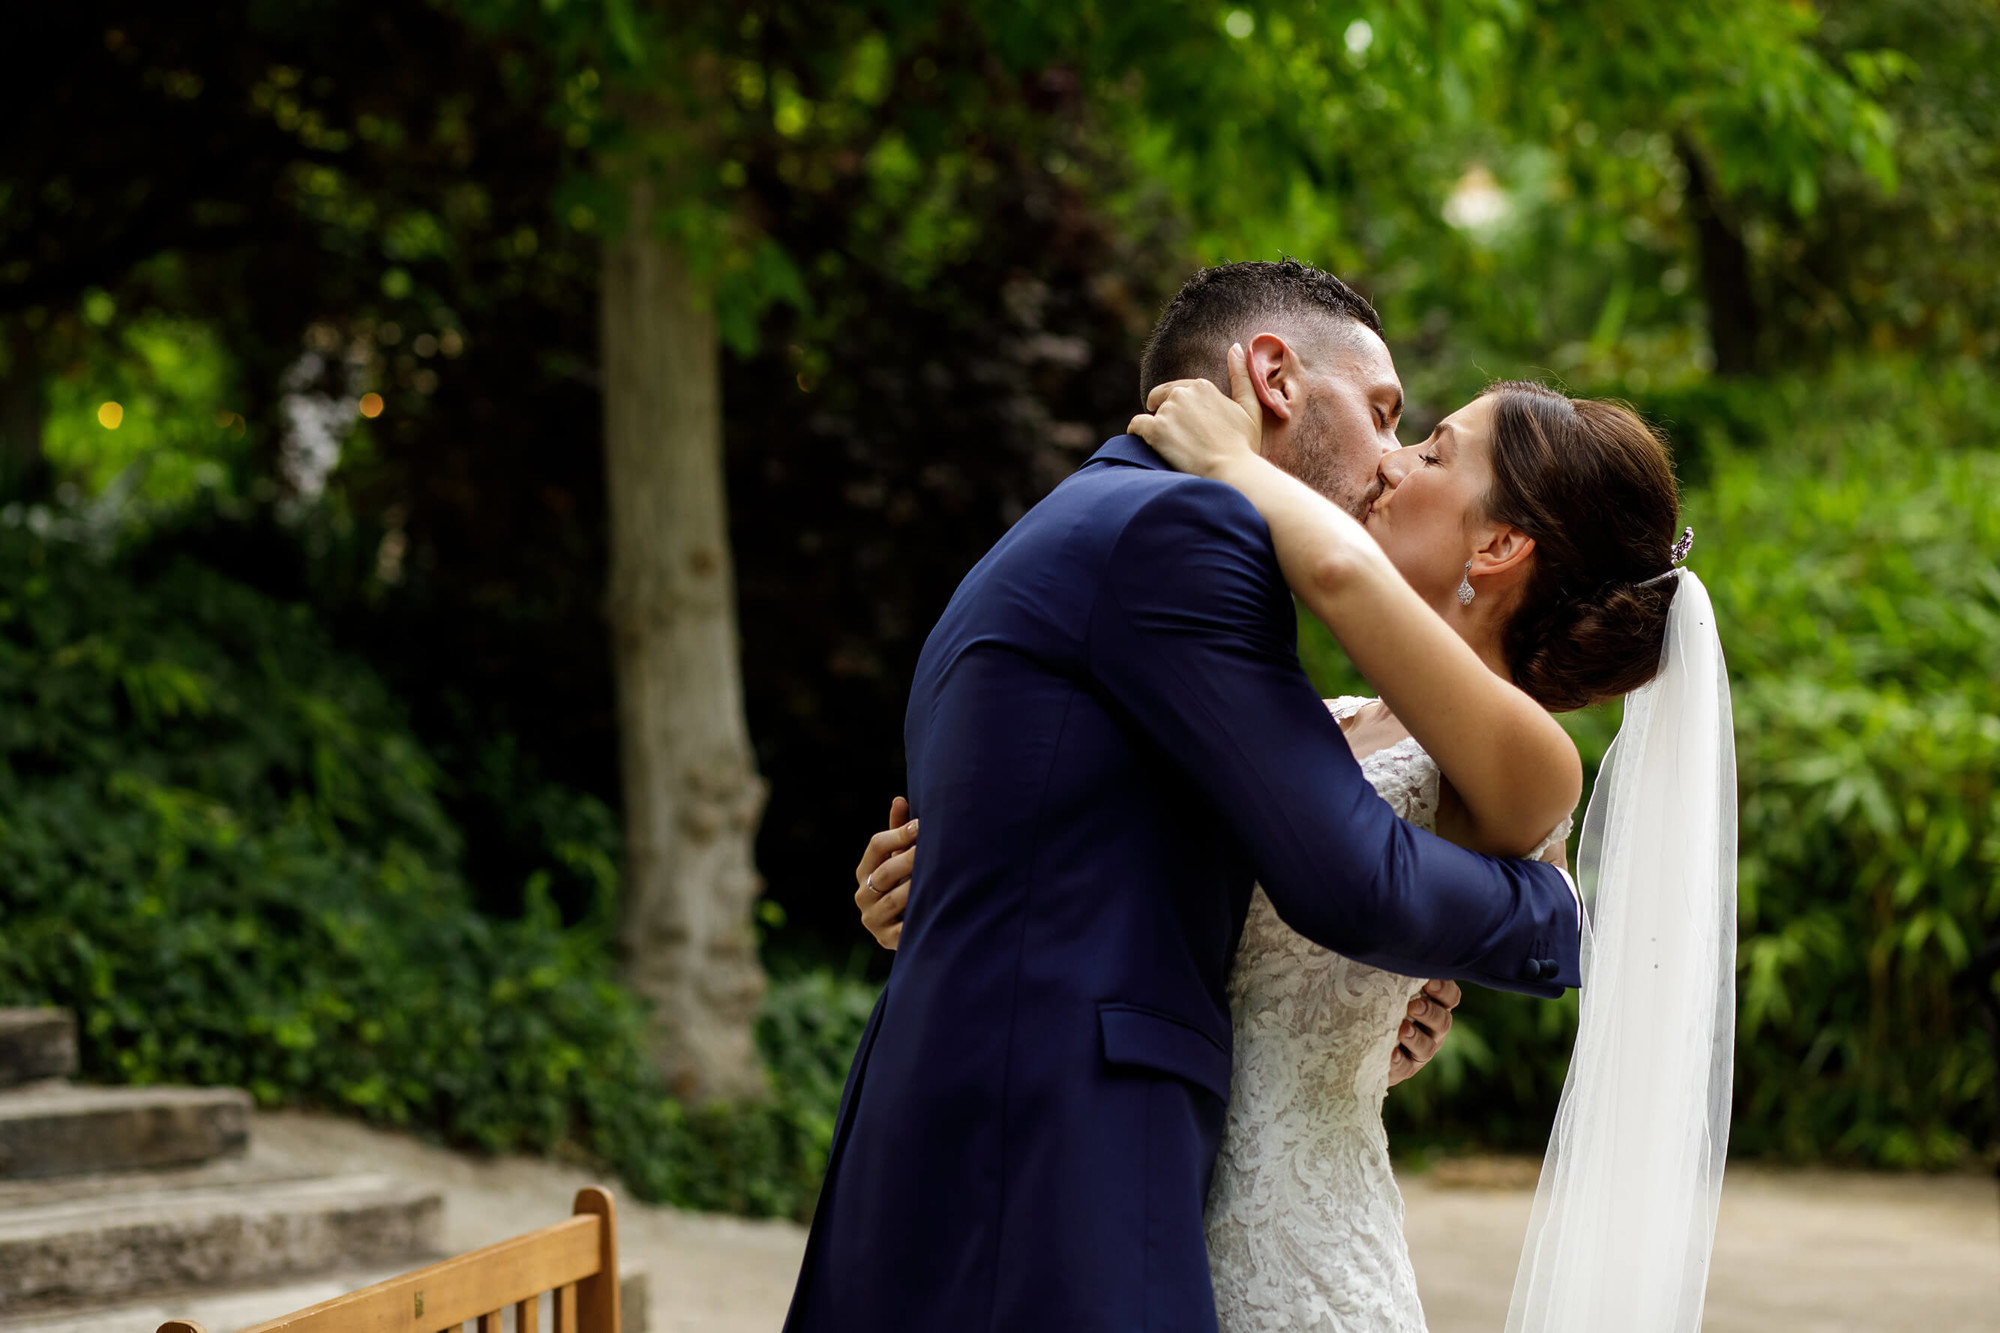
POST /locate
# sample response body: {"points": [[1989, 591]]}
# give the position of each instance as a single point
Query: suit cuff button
{"points": [[1531, 970]]}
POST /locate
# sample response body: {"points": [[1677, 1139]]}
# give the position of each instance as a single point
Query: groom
{"points": [[1109, 740]]}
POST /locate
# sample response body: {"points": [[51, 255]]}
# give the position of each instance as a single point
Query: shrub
{"points": [[221, 846], [1859, 582]]}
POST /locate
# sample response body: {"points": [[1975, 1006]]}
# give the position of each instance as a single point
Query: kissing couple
{"points": [[1173, 911]]}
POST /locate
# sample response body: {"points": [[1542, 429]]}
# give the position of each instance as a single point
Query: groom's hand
{"points": [[882, 880], [1425, 1029]]}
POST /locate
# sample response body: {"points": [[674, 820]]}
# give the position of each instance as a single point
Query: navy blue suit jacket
{"points": [[1109, 740]]}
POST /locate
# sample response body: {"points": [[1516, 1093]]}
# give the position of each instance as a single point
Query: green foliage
{"points": [[222, 848], [1854, 560], [1859, 577], [178, 427], [1337, 131], [1910, 268]]}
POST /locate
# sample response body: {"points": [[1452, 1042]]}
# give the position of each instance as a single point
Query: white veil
{"points": [[1624, 1217]]}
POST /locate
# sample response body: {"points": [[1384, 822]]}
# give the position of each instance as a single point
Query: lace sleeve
{"points": [[1561, 834], [1346, 706]]}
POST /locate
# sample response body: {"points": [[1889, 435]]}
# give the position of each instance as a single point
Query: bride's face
{"points": [[1432, 500]]}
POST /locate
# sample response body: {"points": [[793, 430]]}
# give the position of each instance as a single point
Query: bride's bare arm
{"points": [[1513, 765]]}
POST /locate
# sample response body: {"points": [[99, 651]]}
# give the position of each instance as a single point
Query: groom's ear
{"points": [[1505, 550], [1274, 374]]}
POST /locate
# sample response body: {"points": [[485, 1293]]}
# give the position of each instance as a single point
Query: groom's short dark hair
{"points": [[1219, 305]]}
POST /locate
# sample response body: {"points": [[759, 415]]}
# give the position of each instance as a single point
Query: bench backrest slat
{"points": [[576, 1260]]}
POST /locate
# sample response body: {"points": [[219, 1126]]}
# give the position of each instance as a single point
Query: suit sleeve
{"points": [[1193, 637]]}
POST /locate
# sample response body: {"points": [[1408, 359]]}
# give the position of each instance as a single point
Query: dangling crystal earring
{"points": [[1465, 586]]}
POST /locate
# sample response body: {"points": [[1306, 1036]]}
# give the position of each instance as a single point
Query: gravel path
{"points": [[1804, 1252]]}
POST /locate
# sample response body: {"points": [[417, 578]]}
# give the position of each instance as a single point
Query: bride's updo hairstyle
{"points": [[1594, 485]]}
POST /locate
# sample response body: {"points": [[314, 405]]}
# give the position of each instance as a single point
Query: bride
{"points": [[1521, 561]]}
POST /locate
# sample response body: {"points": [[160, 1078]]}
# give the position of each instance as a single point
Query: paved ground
{"points": [[1795, 1252], [1812, 1252]]}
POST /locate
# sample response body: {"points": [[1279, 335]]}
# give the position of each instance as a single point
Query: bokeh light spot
{"points": [[1240, 23], [371, 405], [1477, 202], [109, 415]]}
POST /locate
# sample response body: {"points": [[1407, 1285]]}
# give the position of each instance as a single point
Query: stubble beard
{"points": [[1316, 459]]}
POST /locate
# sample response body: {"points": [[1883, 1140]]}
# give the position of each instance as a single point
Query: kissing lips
{"points": [[1372, 503]]}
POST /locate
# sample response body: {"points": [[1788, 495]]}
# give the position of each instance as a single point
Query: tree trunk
{"points": [[692, 794], [1735, 323], [24, 469]]}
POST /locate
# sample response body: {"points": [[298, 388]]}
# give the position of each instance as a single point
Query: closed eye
{"points": [[1430, 460], [1389, 412]]}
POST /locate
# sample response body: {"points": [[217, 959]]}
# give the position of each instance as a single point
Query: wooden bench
{"points": [[576, 1262]]}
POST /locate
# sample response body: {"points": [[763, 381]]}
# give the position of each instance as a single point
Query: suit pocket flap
{"points": [[1134, 1036]]}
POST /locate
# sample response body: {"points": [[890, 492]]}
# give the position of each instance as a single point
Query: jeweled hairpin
{"points": [[1677, 557]]}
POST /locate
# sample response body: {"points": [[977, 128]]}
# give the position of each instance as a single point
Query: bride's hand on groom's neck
{"points": [[1200, 430]]}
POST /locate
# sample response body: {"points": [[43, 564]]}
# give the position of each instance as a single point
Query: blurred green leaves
{"points": [[1337, 132], [179, 420], [1859, 584]]}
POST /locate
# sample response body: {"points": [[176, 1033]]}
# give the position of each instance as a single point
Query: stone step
{"points": [[228, 1311], [253, 1168], [36, 1044], [65, 1129], [104, 1248], [218, 1311]]}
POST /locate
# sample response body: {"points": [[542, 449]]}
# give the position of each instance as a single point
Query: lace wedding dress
{"points": [[1305, 1223]]}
